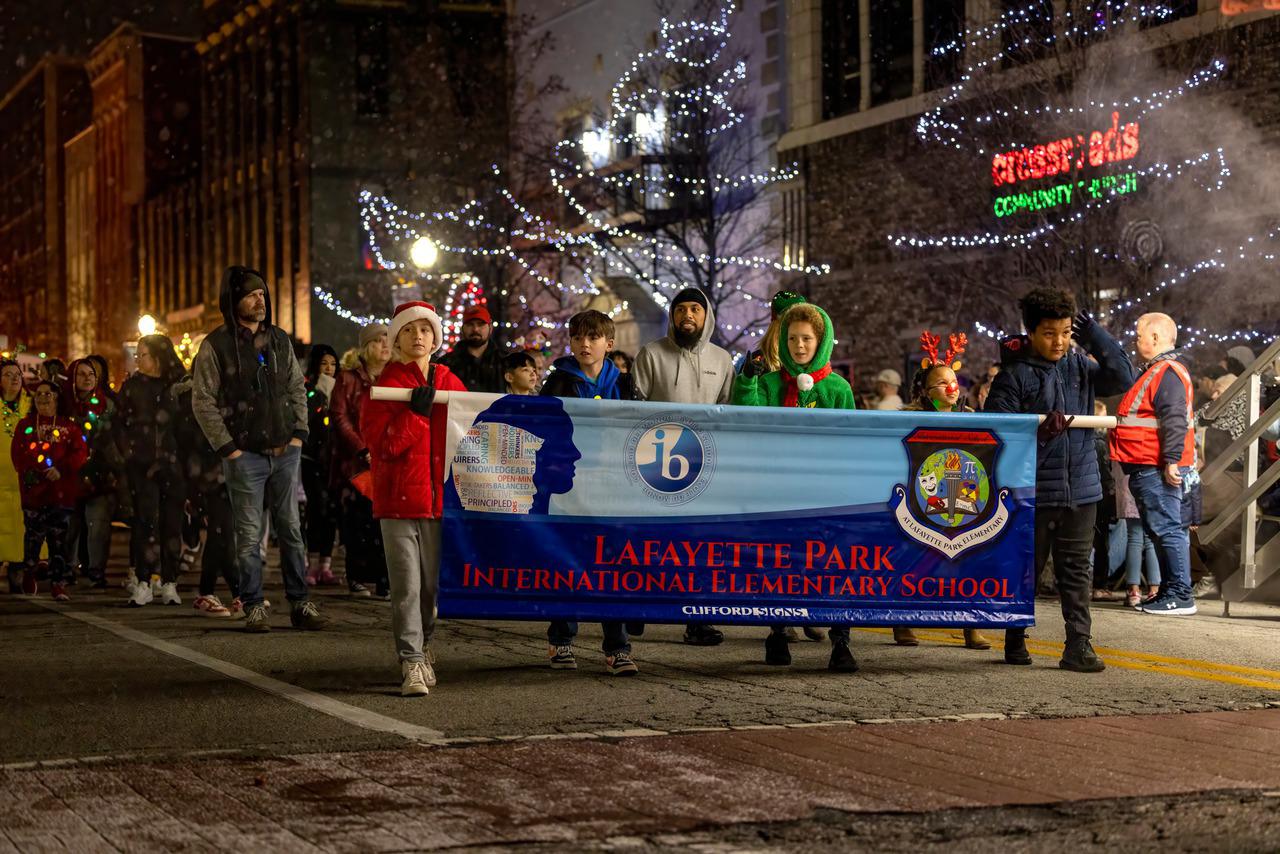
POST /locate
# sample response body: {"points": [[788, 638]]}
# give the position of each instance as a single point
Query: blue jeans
{"points": [[1140, 556], [562, 633], [252, 481], [1160, 508]]}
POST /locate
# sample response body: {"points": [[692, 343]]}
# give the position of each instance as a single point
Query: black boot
{"points": [[842, 660], [1015, 647], [696, 635], [1080, 657], [776, 650]]}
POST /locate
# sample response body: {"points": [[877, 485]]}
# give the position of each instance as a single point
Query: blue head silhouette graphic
{"points": [[543, 422]]}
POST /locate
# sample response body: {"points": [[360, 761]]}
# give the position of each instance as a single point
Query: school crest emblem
{"points": [[951, 502]]}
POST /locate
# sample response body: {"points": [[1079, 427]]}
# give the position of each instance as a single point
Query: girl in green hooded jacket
{"points": [[804, 380]]}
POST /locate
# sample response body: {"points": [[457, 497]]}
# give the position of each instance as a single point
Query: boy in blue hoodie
{"points": [[588, 373]]}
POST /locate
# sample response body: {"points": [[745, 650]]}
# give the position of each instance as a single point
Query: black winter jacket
{"points": [[249, 393], [1067, 466]]}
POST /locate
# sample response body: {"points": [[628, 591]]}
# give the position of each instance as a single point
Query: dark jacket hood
{"points": [[231, 280]]}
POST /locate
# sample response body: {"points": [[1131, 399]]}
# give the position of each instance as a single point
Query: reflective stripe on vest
{"points": [[1136, 438]]}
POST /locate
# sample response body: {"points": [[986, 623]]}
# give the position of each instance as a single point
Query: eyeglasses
{"points": [[45, 394]]}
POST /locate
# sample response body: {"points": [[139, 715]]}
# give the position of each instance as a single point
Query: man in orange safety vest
{"points": [[1154, 443]]}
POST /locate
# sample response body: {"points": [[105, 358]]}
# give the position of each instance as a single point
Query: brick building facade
{"points": [[304, 106], [37, 117], [868, 176]]}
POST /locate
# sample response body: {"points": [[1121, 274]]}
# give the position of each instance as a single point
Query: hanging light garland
{"points": [[613, 246]]}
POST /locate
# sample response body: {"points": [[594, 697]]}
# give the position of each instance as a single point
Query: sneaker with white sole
{"points": [[210, 606], [621, 664], [428, 667], [1205, 588], [169, 594], [141, 596], [1170, 606], [415, 679], [562, 658]]}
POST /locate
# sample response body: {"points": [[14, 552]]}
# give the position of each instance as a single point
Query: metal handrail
{"points": [[1251, 434], [1208, 533]]}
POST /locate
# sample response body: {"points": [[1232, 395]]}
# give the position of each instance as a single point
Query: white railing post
{"points": [[1249, 518]]}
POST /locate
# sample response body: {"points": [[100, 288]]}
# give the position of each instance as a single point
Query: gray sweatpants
{"points": [[413, 567]]}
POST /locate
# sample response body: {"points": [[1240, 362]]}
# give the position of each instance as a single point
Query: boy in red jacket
{"points": [[48, 452], [406, 458]]}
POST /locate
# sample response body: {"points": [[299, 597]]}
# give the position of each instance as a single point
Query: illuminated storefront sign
{"points": [[1061, 195], [1067, 155], [1068, 159]]}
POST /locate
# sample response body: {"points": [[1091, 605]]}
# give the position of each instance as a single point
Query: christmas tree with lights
{"points": [[668, 188]]}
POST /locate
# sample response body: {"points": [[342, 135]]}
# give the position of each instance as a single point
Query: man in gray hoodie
{"points": [[685, 367]]}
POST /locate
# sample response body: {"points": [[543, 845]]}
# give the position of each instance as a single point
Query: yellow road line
{"points": [[1210, 671]]}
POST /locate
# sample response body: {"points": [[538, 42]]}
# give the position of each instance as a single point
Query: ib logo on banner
{"points": [[672, 460]]}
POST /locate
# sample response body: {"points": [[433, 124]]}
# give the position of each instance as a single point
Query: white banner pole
{"points": [[1083, 422]]}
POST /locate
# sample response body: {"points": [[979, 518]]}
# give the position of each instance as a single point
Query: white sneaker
{"points": [[130, 585], [428, 669], [169, 594], [141, 595], [415, 681], [211, 606]]}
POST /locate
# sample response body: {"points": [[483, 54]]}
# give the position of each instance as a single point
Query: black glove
{"points": [[754, 366], [1054, 425], [1080, 323], [420, 399]]}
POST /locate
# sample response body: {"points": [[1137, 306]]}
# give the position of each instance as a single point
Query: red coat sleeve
{"points": [[346, 396]]}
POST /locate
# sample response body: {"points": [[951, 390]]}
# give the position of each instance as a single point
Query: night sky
{"points": [[31, 28]]}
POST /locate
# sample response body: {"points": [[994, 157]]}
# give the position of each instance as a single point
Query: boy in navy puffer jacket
{"points": [[1042, 374]]}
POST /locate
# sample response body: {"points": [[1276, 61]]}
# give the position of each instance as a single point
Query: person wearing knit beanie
{"points": [[371, 333]]}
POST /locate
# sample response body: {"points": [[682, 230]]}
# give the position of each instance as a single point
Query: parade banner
{"points": [[661, 513]]}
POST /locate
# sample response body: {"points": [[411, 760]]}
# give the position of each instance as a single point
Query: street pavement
{"points": [[157, 729]]}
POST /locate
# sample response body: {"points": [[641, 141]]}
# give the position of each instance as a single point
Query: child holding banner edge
{"points": [[406, 458], [588, 374], [935, 388], [1043, 375], [805, 380]]}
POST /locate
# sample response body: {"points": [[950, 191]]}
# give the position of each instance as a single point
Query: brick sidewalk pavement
{"points": [[577, 791]]}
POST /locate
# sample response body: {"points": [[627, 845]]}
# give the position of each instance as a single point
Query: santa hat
{"points": [[408, 312]]}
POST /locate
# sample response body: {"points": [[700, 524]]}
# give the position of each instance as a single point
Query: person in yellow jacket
{"points": [[15, 403]]}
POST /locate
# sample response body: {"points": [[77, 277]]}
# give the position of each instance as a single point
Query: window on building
{"points": [[943, 28], [892, 37], [373, 68], [841, 61]]}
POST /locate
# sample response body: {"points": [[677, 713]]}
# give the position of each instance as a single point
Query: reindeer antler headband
{"points": [[929, 343]]}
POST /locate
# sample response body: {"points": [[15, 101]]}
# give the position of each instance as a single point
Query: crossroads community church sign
{"points": [[1082, 168]]}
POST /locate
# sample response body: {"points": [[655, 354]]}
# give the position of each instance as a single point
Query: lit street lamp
{"points": [[424, 253], [146, 325]]}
